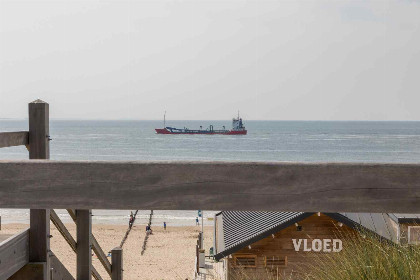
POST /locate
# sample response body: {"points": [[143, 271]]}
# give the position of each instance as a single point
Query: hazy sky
{"points": [[282, 60]]}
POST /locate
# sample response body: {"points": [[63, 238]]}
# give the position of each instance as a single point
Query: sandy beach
{"points": [[169, 254]]}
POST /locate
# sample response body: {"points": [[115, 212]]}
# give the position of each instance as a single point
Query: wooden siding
{"points": [[281, 246], [404, 232]]}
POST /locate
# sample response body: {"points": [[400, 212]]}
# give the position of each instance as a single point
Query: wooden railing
{"points": [[72, 243], [9, 139], [325, 187], [41, 185], [96, 248], [14, 254], [28, 255]]}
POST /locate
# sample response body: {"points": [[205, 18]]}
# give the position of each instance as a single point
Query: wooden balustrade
{"points": [[28, 255], [14, 254]]}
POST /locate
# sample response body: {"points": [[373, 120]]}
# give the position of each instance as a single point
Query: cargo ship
{"points": [[238, 128]]}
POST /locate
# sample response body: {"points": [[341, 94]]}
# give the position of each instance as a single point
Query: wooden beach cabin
{"points": [[278, 242]]}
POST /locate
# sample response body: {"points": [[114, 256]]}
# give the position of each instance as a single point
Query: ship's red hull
{"points": [[230, 132]]}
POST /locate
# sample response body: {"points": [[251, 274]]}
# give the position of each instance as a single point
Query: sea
{"points": [[274, 141]]}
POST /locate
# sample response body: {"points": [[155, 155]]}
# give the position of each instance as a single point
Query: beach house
{"points": [[278, 242]]}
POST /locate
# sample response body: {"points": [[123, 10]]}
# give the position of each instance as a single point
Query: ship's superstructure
{"points": [[238, 128]]}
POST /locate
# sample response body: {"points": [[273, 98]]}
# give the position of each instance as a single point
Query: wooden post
{"points": [[39, 130], [39, 148], [117, 263], [84, 244]]}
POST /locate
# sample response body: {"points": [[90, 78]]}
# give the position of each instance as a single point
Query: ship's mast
{"points": [[164, 120]]}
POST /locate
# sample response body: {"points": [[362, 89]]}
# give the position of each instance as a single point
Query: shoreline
{"points": [[116, 217]]}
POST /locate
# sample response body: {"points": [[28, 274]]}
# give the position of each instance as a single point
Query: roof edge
{"points": [[354, 225]]}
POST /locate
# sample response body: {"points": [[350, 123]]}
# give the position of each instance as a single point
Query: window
{"points": [[275, 261], [245, 260], [414, 235]]}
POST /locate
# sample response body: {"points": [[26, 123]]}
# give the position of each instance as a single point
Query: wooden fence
{"points": [[27, 255], [42, 185]]}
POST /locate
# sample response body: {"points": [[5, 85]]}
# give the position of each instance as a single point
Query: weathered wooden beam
{"points": [[14, 254], [63, 230], [39, 130], [72, 214], [39, 233], [84, 244], [325, 187], [96, 274], [70, 240], [97, 249], [9, 139], [117, 263]]}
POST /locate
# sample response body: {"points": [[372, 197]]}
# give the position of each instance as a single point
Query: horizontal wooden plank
{"points": [[324, 187], [8, 139], [14, 254]]}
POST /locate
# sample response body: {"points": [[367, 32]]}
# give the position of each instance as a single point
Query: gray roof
{"points": [[379, 223], [238, 229], [243, 225]]}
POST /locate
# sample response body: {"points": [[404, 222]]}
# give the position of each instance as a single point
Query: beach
{"points": [[169, 254]]}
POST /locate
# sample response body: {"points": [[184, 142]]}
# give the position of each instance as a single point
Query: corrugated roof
{"points": [[239, 226], [242, 228]]}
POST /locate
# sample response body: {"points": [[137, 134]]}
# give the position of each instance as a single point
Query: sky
{"points": [[199, 59]]}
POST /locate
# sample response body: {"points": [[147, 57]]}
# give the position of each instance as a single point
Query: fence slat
{"points": [[14, 254], [97, 249], [317, 187], [9, 139], [83, 248]]}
